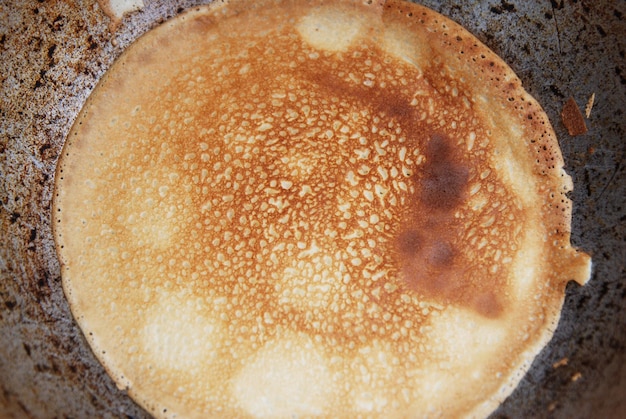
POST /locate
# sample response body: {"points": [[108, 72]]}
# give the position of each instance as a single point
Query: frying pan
{"points": [[53, 53]]}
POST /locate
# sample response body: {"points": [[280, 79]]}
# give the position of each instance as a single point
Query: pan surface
{"points": [[51, 56]]}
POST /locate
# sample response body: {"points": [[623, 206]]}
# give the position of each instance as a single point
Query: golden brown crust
{"points": [[324, 208]]}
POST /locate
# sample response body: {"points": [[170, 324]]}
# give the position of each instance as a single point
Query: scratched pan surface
{"points": [[53, 53]]}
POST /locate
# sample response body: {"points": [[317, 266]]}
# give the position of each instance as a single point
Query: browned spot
{"points": [[429, 266], [395, 107], [410, 242], [488, 304], [444, 176], [430, 242]]}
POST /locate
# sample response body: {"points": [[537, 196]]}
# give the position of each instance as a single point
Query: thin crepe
{"points": [[289, 208]]}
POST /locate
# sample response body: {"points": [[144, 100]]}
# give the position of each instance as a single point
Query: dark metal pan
{"points": [[53, 53]]}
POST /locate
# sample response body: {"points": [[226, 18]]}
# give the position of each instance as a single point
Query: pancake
{"points": [[314, 209]]}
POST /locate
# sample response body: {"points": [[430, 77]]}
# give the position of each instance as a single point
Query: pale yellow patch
{"points": [[407, 46], [329, 28], [176, 334], [287, 378]]}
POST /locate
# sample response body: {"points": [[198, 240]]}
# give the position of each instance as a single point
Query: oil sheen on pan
{"points": [[301, 209]]}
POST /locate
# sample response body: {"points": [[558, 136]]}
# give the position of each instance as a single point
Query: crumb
{"points": [[576, 377], [560, 363], [551, 407], [573, 118], [589, 105]]}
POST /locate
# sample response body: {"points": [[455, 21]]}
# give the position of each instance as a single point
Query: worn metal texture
{"points": [[53, 53]]}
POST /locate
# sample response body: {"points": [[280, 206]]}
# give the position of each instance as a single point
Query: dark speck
{"points": [[509, 7], [57, 23], [618, 71], [604, 290], [43, 148], [558, 5], [586, 8], [39, 82], [51, 50], [503, 7], [556, 91], [92, 43]]}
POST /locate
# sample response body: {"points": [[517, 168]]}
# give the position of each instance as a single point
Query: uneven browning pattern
{"points": [[302, 213]]}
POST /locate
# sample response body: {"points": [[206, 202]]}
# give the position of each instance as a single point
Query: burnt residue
{"points": [[14, 217], [33, 235], [503, 7], [556, 91], [40, 81], [556, 4], [58, 23], [51, 50], [619, 73], [601, 30], [91, 42]]}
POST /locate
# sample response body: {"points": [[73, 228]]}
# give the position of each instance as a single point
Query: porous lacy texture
{"points": [[295, 209]]}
